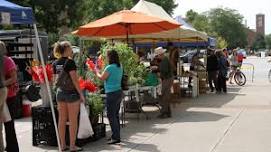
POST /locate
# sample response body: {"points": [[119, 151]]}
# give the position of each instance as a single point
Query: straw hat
{"points": [[3, 49], [159, 51]]}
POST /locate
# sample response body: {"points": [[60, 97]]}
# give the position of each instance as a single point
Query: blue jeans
{"points": [[113, 100]]}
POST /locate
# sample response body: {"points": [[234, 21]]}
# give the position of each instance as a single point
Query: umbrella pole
{"points": [[127, 37], [47, 84], [127, 26]]}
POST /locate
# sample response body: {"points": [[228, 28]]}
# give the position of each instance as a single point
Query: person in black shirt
{"points": [[68, 94], [212, 69], [173, 57]]}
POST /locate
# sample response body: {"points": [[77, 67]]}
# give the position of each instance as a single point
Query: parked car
{"points": [[187, 57]]}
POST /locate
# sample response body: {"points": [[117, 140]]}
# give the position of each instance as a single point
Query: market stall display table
{"points": [[190, 91], [202, 76], [133, 101]]}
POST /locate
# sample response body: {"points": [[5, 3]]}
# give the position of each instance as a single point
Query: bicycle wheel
{"points": [[240, 78], [269, 75]]}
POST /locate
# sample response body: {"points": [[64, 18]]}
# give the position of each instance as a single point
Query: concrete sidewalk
{"points": [[239, 121]]}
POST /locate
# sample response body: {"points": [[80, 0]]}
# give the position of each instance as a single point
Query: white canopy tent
{"points": [[185, 33]]}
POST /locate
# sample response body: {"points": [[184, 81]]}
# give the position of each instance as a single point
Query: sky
{"points": [[248, 8]]}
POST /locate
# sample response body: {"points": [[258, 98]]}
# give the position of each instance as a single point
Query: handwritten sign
{"points": [[5, 18]]}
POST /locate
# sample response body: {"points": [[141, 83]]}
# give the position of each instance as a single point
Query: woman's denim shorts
{"points": [[67, 95]]}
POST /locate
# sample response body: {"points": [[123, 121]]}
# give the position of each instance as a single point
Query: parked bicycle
{"points": [[239, 77]]}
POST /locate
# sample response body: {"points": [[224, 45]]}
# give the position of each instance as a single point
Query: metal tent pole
{"points": [[47, 84]]}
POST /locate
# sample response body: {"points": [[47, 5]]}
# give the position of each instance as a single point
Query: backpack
{"points": [[64, 81]]}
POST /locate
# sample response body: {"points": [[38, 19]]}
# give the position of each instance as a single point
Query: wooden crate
{"points": [[202, 86]]}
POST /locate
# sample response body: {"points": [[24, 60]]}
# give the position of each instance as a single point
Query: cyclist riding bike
{"points": [[234, 65]]}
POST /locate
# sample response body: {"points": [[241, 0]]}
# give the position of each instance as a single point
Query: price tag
{"points": [[5, 18]]}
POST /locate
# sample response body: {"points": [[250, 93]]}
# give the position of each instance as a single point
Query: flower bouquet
{"points": [[38, 76]]}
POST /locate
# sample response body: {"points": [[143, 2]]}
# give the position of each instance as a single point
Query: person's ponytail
{"points": [[60, 48], [57, 50]]}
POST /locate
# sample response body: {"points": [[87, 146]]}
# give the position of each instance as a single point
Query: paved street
{"points": [[239, 121]]}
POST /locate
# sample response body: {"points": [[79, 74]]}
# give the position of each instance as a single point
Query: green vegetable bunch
{"points": [[96, 104], [80, 60]]}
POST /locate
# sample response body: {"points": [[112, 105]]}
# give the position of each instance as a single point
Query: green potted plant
{"points": [[96, 107]]}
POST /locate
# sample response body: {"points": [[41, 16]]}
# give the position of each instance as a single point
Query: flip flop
{"points": [[77, 149], [65, 149]]}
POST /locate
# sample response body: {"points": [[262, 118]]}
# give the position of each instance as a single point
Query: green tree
{"points": [[191, 16], [168, 5], [221, 43], [268, 41], [227, 23], [224, 24], [259, 42], [199, 21], [100, 8], [55, 15]]}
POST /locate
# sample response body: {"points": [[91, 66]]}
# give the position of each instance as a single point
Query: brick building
{"points": [[251, 35], [260, 29], [260, 24]]}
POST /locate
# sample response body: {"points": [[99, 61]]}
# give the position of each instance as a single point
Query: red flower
{"points": [[34, 74], [49, 71], [81, 83], [100, 62], [90, 86], [38, 75], [90, 64], [87, 85]]}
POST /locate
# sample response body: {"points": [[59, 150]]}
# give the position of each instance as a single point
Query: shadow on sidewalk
{"points": [[211, 100], [198, 116], [139, 131], [124, 146]]}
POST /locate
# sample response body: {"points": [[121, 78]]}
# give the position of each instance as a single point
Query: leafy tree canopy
{"points": [[224, 24]]}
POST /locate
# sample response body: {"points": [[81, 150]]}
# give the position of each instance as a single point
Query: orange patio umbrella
{"points": [[125, 22]]}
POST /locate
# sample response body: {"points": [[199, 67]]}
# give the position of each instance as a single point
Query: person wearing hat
{"points": [[166, 74]]}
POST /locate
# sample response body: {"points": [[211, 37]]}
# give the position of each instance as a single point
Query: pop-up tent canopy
{"points": [[11, 13], [185, 32], [14, 14]]}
